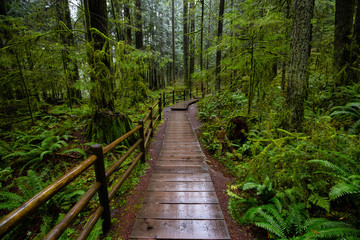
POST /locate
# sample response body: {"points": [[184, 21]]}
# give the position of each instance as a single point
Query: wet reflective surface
{"points": [[180, 202]]}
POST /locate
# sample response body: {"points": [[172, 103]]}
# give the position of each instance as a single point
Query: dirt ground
{"points": [[126, 216]]}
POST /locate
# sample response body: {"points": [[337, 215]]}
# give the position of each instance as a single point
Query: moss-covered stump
{"points": [[106, 126]]}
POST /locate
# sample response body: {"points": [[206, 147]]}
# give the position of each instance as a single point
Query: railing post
{"points": [[184, 95], [164, 99], [142, 145], [173, 96], [151, 122], [160, 109], [103, 192]]}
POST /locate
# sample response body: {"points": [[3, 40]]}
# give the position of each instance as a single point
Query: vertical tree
{"points": [[344, 17], [202, 42], [303, 11], [186, 42], [173, 40], [209, 32], [67, 39], [99, 58], [192, 44], [356, 34], [127, 19], [139, 32], [218, 51], [115, 17]]}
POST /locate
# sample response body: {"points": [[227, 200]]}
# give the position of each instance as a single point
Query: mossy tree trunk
{"points": [[192, 45], [67, 39], [344, 17], [303, 11], [186, 41], [102, 95], [105, 125], [218, 51], [139, 32]]}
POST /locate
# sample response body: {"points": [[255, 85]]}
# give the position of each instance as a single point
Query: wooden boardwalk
{"points": [[180, 202]]}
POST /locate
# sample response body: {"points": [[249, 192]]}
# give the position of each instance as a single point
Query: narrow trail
{"points": [[180, 201]]}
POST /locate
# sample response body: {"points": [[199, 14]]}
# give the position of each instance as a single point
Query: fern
{"points": [[10, 201], [320, 201], [346, 188], [75, 150], [348, 182], [319, 228]]}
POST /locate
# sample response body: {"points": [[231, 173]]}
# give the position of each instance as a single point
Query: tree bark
{"points": [[127, 16], [2, 7], [218, 51], [114, 13], [173, 41], [67, 39], [356, 58], [303, 11], [202, 43], [102, 96], [139, 32], [192, 45], [186, 42], [344, 17]]}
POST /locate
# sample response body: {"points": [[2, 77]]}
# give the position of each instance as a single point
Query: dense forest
{"points": [[279, 82]]}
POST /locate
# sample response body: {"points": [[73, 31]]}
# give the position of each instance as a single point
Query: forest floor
{"points": [[126, 215]]}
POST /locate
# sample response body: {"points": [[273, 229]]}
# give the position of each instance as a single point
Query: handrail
{"points": [[145, 129]]}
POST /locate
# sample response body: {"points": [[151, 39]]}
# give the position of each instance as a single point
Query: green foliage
{"points": [[349, 111], [294, 223], [347, 175]]}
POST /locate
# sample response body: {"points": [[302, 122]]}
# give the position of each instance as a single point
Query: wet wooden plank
{"points": [[167, 177], [180, 202], [181, 163], [181, 187], [181, 211], [181, 197], [176, 169], [180, 229]]}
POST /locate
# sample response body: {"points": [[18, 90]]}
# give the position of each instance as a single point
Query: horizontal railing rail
{"points": [[145, 130]]}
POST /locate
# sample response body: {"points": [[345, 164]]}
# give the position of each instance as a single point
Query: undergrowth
{"points": [[295, 185]]}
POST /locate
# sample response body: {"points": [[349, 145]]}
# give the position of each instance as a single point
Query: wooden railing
{"points": [[181, 95], [145, 130]]}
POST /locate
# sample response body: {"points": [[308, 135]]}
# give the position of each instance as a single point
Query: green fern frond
{"points": [[76, 150], [320, 201], [343, 188], [45, 153], [271, 228], [10, 201], [330, 166]]}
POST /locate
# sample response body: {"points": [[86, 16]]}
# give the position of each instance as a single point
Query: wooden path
{"points": [[180, 202]]}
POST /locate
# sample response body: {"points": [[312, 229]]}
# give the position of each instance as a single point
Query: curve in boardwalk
{"points": [[180, 202]]}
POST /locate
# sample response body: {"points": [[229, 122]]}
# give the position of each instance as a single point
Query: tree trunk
{"points": [[127, 16], [139, 32], [356, 58], [344, 17], [192, 45], [173, 40], [303, 11], [102, 96], [67, 39], [186, 43], [209, 33], [202, 43], [114, 13], [2, 7], [218, 51]]}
